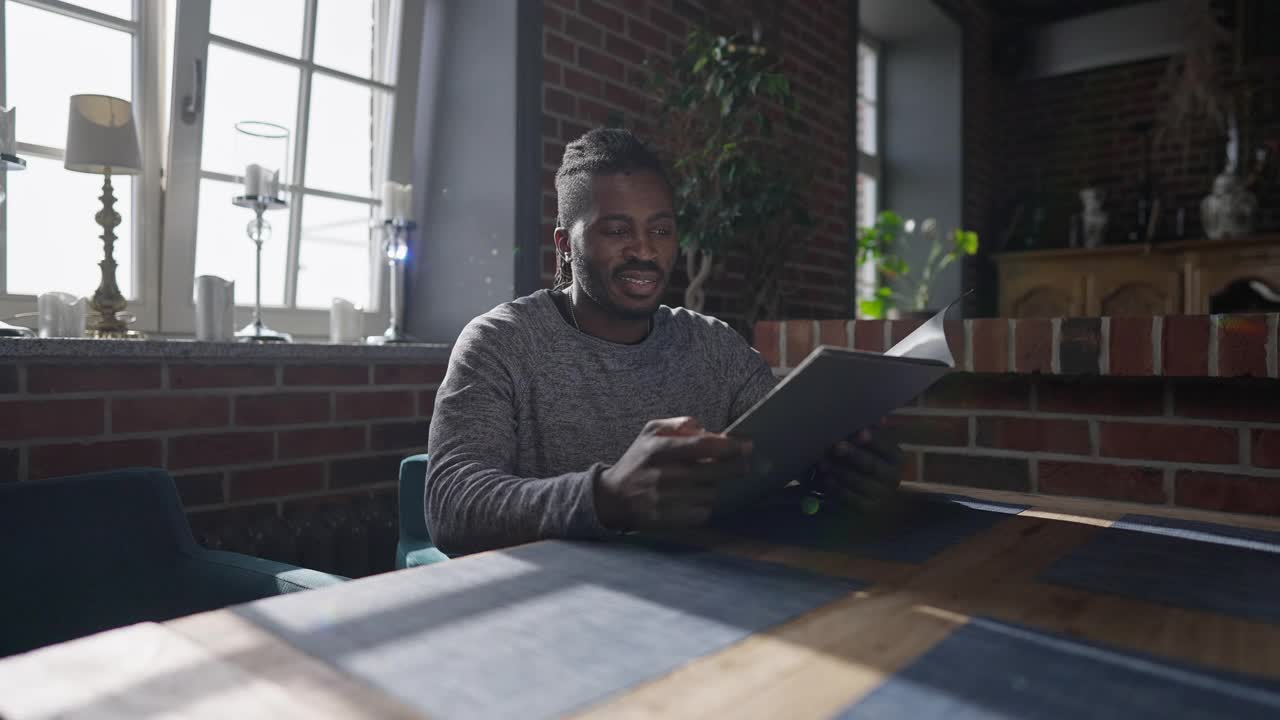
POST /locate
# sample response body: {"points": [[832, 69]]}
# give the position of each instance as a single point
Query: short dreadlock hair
{"points": [[603, 151]]}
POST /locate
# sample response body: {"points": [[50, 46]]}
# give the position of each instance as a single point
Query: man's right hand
{"points": [[668, 477]]}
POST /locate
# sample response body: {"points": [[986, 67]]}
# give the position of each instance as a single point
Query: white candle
{"points": [[406, 202], [271, 184], [390, 199], [253, 180]]}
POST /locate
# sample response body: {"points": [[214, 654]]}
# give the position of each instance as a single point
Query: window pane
{"points": [[868, 60], [867, 127], [118, 8], [274, 25], [53, 242], [344, 36], [272, 96], [85, 58], [340, 146], [868, 199], [224, 249], [335, 252]]}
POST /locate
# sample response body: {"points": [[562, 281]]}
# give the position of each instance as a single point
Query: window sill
{"points": [[217, 351]]}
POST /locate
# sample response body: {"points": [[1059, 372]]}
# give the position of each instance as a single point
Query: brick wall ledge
{"points": [[1245, 345], [35, 348]]}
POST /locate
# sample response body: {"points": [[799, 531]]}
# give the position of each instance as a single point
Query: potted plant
{"points": [[741, 188], [899, 289]]}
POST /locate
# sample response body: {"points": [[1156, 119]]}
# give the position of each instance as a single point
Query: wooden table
{"points": [[992, 603]]}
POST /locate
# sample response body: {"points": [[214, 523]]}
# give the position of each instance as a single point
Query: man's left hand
{"points": [[861, 472]]}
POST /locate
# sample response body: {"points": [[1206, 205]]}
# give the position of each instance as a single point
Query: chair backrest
{"points": [[413, 490], [99, 524]]}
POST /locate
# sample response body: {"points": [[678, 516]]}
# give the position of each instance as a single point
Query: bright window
{"points": [[869, 159], [49, 240], [324, 69]]}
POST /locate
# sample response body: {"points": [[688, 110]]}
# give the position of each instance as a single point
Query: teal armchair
{"points": [[88, 553], [415, 547]]}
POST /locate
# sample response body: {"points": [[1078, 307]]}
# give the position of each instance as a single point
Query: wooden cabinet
{"points": [[1125, 280]]}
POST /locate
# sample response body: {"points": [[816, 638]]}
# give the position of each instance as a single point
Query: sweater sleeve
{"points": [[751, 374], [474, 501]]}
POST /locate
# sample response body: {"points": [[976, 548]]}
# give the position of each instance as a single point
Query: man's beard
{"points": [[597, 288]]}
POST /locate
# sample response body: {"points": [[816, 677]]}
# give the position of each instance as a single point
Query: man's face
{"points": [[625, 249]]}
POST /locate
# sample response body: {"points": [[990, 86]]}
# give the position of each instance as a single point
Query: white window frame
{"points": [[148, 102], [868, 164], [871, 165], [192, 39]]}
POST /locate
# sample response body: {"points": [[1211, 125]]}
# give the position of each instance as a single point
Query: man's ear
{"points": [[561, 237]]}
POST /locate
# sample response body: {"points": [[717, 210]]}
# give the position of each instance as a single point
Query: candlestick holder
{"points": [[395, 246], [259, 231]]}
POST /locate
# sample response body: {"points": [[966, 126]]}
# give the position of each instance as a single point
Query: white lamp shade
{"points": [[101, 136]]}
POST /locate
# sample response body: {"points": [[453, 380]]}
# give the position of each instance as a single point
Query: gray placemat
{"points": [[541, 630], [989, 669], [1196, 565]]}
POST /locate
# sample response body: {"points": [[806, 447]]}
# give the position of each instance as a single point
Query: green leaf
{"points": [[701, 63], [872, 309], [966, 241], [895, 265]]}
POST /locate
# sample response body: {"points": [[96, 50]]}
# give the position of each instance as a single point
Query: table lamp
{"points": [[103, 139]]}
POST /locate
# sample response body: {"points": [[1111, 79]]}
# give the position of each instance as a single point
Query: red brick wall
{"points": [[1176, 411], [263, 454], [593, 61]]}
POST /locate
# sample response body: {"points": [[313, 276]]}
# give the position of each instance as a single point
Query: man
{"points": [[592, 409]]}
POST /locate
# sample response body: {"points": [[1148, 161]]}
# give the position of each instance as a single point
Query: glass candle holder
{"points": [[262, 149]]}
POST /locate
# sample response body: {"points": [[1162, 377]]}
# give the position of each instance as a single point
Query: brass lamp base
{"points": [[107, 300]]}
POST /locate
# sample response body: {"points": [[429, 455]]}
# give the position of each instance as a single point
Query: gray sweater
{"points": [[531, 411]]}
